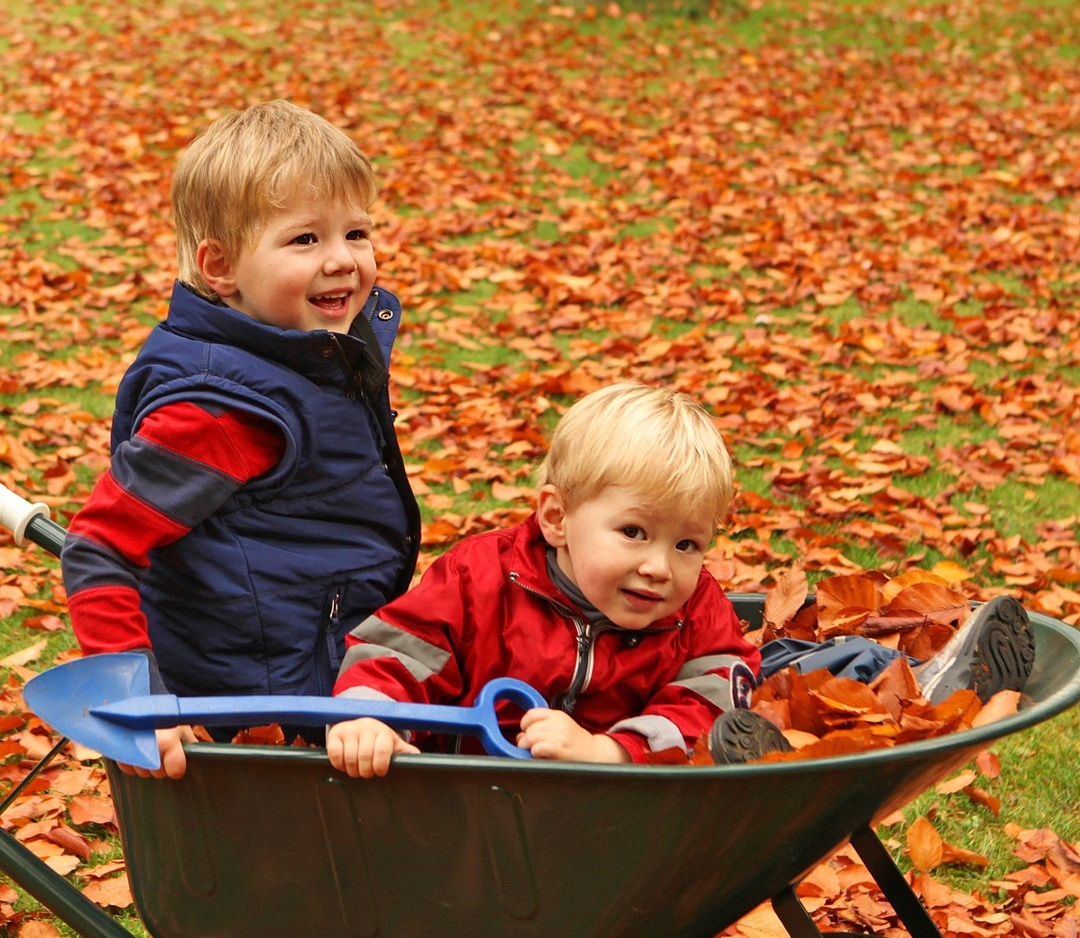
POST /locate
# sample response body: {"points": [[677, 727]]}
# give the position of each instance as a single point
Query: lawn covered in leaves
{"points": [[850, 229]]}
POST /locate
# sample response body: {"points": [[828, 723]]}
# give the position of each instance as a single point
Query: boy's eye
{"points": [[686, 546], [357, 234], [633, 532], [306, 238]]}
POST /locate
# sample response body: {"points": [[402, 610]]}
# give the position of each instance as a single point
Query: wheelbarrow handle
{"points": [[29, 521]]}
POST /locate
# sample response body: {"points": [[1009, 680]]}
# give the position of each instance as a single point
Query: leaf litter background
{"points": [[851, 232]]}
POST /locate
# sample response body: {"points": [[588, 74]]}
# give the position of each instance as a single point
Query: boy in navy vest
{"points": [[256, 507]]}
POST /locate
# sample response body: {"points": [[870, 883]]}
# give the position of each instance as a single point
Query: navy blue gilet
{"points": [[258, 598]]}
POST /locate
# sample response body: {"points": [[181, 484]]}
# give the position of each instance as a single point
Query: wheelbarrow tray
{"points": [[260, 842]]}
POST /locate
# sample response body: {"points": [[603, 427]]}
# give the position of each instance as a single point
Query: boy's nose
{"points": [[656, 565], [339, 258]]}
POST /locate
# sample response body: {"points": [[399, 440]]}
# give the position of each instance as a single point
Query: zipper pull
{"points": [[332, 629]]}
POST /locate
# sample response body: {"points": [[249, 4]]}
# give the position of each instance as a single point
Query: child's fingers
{"points": [[343, 746], [536, 715], [541, 731], [173, 757], [335, 747], [363, 748], [170, 743], [376, 761]]}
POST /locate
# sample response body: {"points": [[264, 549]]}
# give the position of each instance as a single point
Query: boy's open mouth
{"points": [[331, 301]]}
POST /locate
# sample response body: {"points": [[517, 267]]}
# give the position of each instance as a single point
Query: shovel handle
{"points": [[159, 710]]}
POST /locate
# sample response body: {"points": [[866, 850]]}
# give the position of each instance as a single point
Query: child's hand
{"points": [[170, 743], [553, 734], [362, 748]]}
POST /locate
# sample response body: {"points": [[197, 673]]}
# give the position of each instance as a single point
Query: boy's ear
{"points": [[215, 267], [551, 514]]}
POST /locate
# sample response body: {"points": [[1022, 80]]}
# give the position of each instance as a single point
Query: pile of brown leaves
{"points": [[822, 715]]}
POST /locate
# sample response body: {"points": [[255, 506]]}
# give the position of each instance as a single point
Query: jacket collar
{"points": [[318, 355]]}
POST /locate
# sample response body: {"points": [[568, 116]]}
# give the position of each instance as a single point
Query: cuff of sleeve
{"points": [[633, 744], [157, 682]]}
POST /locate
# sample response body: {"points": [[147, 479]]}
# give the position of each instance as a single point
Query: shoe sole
{"points": [[741, 736], [1000, 657]]}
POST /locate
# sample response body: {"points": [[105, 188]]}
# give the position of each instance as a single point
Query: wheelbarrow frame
{"points": [[268, 841], [529, 849]]}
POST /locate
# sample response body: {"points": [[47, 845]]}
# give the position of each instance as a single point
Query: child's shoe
{"points": [[742, 736], [993, 650]]}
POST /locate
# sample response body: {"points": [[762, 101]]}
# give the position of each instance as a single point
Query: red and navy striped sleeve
{"points": [[180, 467]]}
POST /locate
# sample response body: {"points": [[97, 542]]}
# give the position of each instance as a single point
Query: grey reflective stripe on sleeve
{"points": [[382, 640], [699, 675], [659, 732]]}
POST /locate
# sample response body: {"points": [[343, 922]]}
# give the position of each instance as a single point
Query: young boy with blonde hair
{"points": [[599, 600], [256, 507]]}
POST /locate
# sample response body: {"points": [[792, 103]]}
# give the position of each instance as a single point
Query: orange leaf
{"points": [[980, 796], [72, 842], [955, 784], [786, 597], [928, 597], [988, 764], [36, 928], [672, 756], [269, 735], [924, 845], [854, 591], [895, 686], [953, 854], [44, 623], [908, 578], [112, 892], [1003, 704], [89, 809]]}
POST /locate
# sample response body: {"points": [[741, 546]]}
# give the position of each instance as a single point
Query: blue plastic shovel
{"points": [[104, 702]]}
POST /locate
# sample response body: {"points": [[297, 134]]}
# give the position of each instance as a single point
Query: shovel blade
{"points": [[64, 696]]}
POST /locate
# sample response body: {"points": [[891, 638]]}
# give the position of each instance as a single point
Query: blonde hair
{"points": [[659, 443], [247, 166]]}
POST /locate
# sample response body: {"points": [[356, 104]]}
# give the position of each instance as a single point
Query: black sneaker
{"points": [[742, 736], [993, 650]]}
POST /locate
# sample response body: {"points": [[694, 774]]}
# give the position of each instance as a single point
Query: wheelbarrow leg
{"points": [[55, 892], [911, 912], [793, 916], [893, 884]]}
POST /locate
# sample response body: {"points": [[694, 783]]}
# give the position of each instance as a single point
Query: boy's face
{"points": [[312, 267], [635, 562]]}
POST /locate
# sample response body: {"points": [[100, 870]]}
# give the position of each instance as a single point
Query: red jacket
{"points": [[488, 608]]}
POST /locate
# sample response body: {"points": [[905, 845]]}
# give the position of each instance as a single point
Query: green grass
{"points": [[1036, 753]]}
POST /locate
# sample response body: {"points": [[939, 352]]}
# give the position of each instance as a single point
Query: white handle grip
{"points": [[16, 513]]}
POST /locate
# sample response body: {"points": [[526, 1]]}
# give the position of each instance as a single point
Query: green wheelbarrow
{"points": [[262, 842]]}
